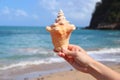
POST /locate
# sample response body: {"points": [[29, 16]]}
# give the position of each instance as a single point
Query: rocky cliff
{"points": [[106, 15]]}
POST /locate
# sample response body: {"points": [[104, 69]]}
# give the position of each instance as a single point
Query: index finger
{"points": [[75, 47], [70, 46]]}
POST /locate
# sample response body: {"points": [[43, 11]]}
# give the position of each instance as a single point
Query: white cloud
{"points": [[74, 9], [49, 4], [35, 16], [5, 11], [16, 13], [20, 12]]}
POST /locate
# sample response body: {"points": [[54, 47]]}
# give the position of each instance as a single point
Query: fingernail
{"points": [[61, 54], [64, 49]]}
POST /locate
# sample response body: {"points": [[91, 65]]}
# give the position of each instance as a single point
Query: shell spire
{"points": [[61, 18]]}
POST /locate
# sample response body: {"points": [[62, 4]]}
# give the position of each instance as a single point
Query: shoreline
{"points": [[32, 71], [73, 74], [48, 72], [45, 69]]}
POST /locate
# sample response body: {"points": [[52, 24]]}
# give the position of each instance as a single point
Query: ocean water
{"points": [[26, 46]]}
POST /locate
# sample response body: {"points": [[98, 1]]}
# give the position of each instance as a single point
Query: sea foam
{"points": [[104, 51], [35, 62]]}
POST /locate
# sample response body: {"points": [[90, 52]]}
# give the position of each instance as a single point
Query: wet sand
{"points": [[33, 71], [54, 71], [73, 75]]}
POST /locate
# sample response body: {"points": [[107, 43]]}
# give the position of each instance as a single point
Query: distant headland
{"points": [[106, 15]]}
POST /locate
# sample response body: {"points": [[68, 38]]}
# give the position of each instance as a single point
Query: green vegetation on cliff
{"points": [[106, 15]]}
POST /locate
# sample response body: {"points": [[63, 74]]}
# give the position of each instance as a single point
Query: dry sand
{"points": [[67, 75], [72, 75]]}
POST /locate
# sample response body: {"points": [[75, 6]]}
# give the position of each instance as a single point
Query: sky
{"points": [[44, 12]]}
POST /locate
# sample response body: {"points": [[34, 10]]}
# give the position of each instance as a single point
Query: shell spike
{"points": [[48, 28]]}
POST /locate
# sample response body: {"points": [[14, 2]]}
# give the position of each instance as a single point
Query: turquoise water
{"points": [[96, 38], [32, 45]]}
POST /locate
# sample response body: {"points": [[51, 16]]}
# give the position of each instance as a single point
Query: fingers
{"points": [[71, 51], [67, 58], [70, 47], [61, 54], [68, 52], [75, 48], [55, 50]]}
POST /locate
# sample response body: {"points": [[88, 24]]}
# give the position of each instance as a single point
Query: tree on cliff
{"points": [[106, 15]]}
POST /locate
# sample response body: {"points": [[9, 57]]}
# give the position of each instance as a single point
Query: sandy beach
{"points": [[52, 71], [32, 71], [66, 75], [73, 74]]}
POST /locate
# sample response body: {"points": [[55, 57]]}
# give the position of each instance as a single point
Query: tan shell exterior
{"points": [[60, 32]]}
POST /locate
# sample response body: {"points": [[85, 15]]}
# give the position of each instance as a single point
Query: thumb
{"points": [[68, 52]]}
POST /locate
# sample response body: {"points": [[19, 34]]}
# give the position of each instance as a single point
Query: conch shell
{"points": [[60, 32]]}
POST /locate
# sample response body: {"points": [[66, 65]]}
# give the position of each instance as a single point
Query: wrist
{"points": [[93, 67]]}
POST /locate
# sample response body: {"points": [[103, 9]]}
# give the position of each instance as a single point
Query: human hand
{"points": [[77, 57], [81, 61]]}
